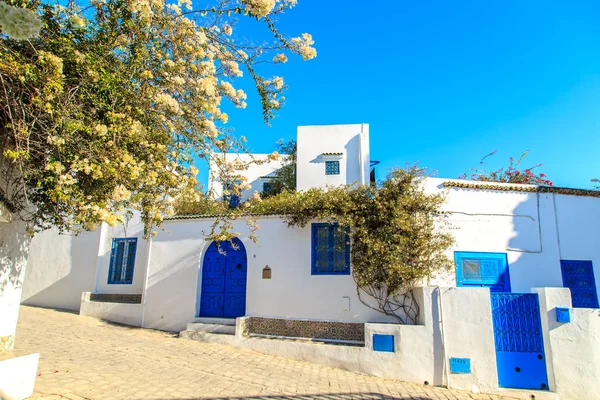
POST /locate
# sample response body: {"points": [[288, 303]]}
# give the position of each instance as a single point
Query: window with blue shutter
{"points": [[332, 167], [475, 269], [122, 260], [233, 200], [578, 276], [330, 249]]}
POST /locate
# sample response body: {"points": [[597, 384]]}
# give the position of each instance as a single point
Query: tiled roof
{"points": [[332, 154], [523, 188]]}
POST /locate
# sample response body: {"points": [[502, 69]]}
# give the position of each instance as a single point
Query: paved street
{"points": [[84, 358]]}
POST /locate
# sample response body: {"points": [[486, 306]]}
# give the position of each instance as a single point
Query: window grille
{"points": [[332, 167], [578, 276], [330, 249], [122, 261]]}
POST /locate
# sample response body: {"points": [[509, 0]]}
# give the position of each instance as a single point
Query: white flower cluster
{"points": [[303, 46], [259, 8], [18, 23], [168, 103], [120, 193]]}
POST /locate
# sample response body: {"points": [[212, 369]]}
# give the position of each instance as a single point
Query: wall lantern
{"points": [[266, 272]]}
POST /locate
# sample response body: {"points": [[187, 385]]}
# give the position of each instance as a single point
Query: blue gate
{"points": [[519, 343], [223, 292]]}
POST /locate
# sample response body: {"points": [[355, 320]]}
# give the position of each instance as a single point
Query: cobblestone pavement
{"points": [[85, 358]]}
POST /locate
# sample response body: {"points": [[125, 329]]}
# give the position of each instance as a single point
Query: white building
{"points": [[509, 239]]}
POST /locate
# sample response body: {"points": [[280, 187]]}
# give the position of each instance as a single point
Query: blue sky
{"points": [[444, 83]]}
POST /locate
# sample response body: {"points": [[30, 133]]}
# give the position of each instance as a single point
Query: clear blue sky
{"points": [[446, 82]]}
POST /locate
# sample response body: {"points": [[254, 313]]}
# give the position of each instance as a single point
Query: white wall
{"points": [[468, 332], [572, 349], [60, 268], [122, 313], [133, 228], [350, 140], [420, 353], [173, 280], [520, 224], [252, 173], [579, 230], [14, 246]]}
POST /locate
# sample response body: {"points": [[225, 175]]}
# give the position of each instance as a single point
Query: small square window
{"points": [[122, 261], [332, 167]]}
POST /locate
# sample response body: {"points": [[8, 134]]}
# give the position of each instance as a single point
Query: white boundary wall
{"points": [[572, 349], [174, 277], [522, 225]]}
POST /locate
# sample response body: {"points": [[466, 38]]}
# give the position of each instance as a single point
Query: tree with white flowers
{"points": [[105, 106]]}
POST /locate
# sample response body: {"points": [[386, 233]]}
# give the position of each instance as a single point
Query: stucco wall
{"points": [[312, 141], [175, 276], [127, 314], [133, 228], [14, 246], [466, 316], [524, 226], [572, 349], [252, 173], [60, 268], [579, 230]]}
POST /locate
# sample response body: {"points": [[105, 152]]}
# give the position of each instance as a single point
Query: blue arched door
{"points": [[223, 291]]}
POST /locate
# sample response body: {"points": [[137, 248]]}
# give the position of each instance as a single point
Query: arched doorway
{"points": [[223, 291]]}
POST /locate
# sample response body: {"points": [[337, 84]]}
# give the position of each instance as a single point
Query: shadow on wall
{"points": [[535, 261], [14, 247], [60, 268]]}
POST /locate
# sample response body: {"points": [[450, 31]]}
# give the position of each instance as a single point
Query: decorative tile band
{"points": [[116, 298], [306, 329], [522, 188]]}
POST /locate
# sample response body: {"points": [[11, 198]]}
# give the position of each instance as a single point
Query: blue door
{"points": [[223, 292], [519, 343], [579, 277]]}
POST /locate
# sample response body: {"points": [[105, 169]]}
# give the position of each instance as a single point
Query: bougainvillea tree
{"points": [[110, 104], [513, 173]]}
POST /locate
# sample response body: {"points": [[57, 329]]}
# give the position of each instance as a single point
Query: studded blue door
{"points": [[223, 292], [519, 343]]}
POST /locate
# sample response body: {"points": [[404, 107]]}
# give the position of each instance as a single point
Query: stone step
{"points": [[211, 328], [219, 321]]}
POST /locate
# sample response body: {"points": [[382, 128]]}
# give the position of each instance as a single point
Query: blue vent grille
{"points": [[332, 167], [578, 276], [517, 326]]}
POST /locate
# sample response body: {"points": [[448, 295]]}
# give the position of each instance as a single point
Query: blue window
{"points": [[268, 188], [579, 277], [122, 260], [330, 249], [232, 199], [332, 167], [482, 270]]}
